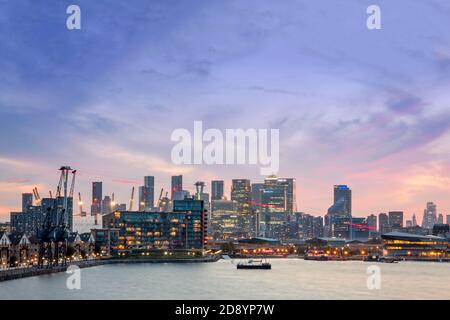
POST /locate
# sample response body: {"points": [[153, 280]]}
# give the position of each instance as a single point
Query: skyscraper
{"points": [[106, 205], [338, 219], [414, 220], [97, 196], [291, 193], [440, 219], [177, 184], [286, 186], [217, 190], [383, 223], [27, 201], [142, 192], [395, 220], [372, 223], [448, 219], [344, 192], [257, 189], [149, 192], [429, 216], [241, 193]]}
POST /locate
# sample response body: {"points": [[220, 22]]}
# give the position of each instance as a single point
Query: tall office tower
{"points": [[440, 219], [344, 192], [177, 184], [448, 219], [372, 223], [27, 201], [291, 193], [395, 220], [224, 220], [383, 223], [149, 194], [317, 227], [414, 220], [284, 185], [241, 193], [338, 219], [142, 193], [217, 190], [97, 196], [429, 216], [257, 189], [408, 223], [106, 205]]}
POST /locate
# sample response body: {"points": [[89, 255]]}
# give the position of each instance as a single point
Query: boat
{"points": [[371, 258], [317, 255], [254, 264], [387, 260], [315, 258]]}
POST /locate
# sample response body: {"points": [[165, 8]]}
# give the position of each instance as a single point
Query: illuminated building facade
{"points": [[97, 196], [400, 244], [176, 185], [383, 223], [395, 220], [241, 193], [360, 229], [183, 228], [339, 216], [217, 190], [283, 194], [27, 201], [224, 220], [429, 216]]}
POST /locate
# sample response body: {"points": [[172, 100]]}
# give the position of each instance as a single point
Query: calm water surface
{"points": [[288, 279]]}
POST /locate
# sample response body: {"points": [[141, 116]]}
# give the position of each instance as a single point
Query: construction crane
{"points": [[132, 199], [72, 186], [36, 195], [160, 197], [54, 231]]}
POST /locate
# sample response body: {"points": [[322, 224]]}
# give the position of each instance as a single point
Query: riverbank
{"points": [[18, 273]]}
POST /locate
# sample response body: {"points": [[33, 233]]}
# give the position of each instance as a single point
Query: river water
{"points": [[288, 279]]}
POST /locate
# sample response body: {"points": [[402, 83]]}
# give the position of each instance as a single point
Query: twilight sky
{"points": [[370, 109]]}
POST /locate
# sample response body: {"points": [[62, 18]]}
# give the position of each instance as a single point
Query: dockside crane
{"points": [[54, 231]]}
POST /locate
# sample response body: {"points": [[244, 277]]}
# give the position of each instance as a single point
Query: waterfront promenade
{"points": [[24, 272]]}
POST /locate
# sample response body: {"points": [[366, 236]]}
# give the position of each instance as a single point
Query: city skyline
{"points": [[370, 110], [27, 198]]}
